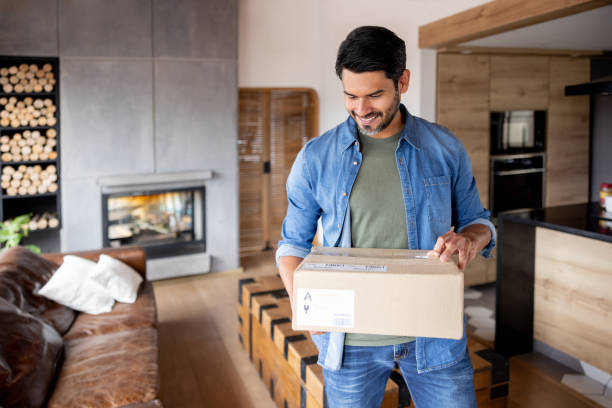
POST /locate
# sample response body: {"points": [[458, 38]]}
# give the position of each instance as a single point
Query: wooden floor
{"points": [[203, 364]]}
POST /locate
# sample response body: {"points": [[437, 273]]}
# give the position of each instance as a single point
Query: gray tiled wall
{"points": [[196, 29], [81, 213], [105, 28], [28, 27], [106, 129], [195, 115], [147, 86]]}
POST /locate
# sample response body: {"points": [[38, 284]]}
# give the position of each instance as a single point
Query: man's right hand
{"points": [[286, 266]]}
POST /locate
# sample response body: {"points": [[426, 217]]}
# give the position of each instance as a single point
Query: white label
{"points": [[325, 307], [344, 267]]}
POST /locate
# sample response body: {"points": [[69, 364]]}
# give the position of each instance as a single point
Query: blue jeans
{"points": [[360, 382]]}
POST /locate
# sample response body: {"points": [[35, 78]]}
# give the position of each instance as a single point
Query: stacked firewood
{"points": [[30, 145], [43, 221], [27, 112], [27, 78], [29, 180]]}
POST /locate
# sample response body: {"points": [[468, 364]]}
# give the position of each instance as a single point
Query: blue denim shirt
{"points": [[439, 191]]}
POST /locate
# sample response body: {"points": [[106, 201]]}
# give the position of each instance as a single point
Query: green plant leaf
{"points": [[34, 249], [12, 231]]}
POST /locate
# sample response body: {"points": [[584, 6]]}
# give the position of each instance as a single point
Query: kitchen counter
{"points": [[553, 282], [586, 220]]}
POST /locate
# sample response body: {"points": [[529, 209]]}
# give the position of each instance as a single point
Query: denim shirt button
{"points": [[344, 194], [354, 163], [338, 226]]}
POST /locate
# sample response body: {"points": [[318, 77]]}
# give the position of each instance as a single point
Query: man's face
{"points": [[372, 99]]}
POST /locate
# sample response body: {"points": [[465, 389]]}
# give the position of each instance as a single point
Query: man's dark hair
{"points": [[371, 48]]}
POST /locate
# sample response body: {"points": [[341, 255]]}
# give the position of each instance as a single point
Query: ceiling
{"points": [[589, 30]]}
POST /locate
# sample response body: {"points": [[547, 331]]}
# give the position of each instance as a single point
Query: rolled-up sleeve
{"points": [[303, 211], [467, 207]]}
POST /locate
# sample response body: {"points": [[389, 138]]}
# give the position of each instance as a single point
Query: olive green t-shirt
{"points": [[378, 214]]}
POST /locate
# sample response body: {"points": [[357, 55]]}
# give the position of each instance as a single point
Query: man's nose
{"points": [[362, 108]]}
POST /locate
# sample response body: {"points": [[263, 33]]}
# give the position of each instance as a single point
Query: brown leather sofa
{"points": [[55, 357]]}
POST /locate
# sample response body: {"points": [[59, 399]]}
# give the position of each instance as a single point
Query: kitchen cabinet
{"points": [[518, 83], [567, 150], [463, 107], [470, 86]]}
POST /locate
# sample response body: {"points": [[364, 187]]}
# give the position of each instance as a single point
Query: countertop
{"points": [[586, 220]]}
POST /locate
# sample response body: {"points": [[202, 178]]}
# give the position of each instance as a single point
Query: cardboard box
{"points": [[378, 291]]}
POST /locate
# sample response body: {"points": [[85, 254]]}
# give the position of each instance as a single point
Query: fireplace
{"points": [[164, 213], [164, 222]]}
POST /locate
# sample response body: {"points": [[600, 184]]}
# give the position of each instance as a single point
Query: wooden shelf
{"points": [[28, 163], [30, 232], [22, 128], [39, 95], [49, 202], [7, 197]]}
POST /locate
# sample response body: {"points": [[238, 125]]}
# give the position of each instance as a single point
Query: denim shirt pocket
{"points": [[439, 203]]}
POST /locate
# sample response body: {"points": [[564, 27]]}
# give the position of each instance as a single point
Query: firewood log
{"points": [[42, 223], [53, 221]]}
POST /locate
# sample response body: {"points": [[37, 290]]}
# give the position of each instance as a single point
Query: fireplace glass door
{"points": [[165, 223]]}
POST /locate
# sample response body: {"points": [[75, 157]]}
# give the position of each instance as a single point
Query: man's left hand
{"points": [[467, 244]]}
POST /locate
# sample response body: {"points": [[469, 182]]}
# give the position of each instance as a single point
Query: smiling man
{"points": [[385, 179]]}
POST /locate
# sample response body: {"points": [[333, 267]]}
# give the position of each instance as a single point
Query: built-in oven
{"points": [[517, 182], [517, 132]]}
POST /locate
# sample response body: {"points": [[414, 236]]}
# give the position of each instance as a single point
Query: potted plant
{"points": [[14, 230]]}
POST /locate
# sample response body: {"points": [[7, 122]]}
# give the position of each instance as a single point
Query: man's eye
{"points": [[375, 96]]}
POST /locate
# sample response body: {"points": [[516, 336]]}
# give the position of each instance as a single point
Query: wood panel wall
{"points": [[274, 123], [567, 158], [572, 303], [518, 82], [463, 107]]}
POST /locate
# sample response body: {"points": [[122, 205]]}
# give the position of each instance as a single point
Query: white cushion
{"points": [[71, 286], [120, 280]]}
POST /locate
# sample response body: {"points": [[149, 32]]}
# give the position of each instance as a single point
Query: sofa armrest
{"points": [[134, 256]]}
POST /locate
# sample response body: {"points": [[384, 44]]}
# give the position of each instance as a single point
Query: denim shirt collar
{"points": [[349, 136]]}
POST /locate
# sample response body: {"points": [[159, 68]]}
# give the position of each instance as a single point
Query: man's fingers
{"points": [[449, 249], [433, 254], [452, 243], [463, 258], [439, 245]]}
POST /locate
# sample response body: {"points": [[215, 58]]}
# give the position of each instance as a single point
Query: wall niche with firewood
{"points": [[29, 146]]}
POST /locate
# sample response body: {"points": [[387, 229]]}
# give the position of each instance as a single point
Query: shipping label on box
{"points": [[326, 307]]}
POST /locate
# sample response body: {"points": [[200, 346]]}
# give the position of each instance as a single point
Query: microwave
{"points": [[518, 131]]}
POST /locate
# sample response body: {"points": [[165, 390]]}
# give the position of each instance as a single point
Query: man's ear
{"points": [[404, 81]]}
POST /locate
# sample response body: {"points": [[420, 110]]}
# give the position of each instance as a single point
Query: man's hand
{"points": [[286, 267], [467, 244]]}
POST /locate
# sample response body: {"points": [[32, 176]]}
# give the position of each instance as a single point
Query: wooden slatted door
{"points": [[274, 123]]}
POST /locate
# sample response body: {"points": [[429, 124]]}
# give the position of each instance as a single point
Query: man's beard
{"points": [[387, 118]]}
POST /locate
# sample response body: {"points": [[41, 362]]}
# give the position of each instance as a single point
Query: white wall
{"points": [[294, 43]]}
